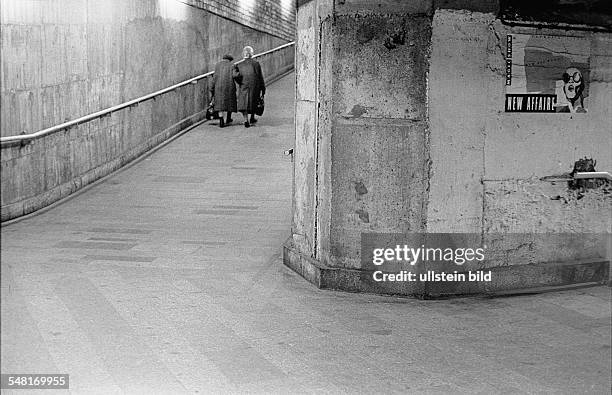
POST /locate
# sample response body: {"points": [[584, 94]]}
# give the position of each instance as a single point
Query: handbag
{"points": [[259, 106], [210, 111]]}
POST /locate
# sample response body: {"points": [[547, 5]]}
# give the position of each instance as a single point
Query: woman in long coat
{"points": [[223, 89], [251, 85]]}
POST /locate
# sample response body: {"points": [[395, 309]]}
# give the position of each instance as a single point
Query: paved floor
{"points": [[167, 278]]}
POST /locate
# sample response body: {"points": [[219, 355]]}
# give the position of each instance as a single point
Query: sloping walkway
{"points": [[167, 278]]}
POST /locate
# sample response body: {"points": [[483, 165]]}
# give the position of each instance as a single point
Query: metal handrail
{"points": [[101, 113], [272, 50]]}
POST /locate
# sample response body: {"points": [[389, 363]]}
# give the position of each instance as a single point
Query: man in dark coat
{"points": [[223, 89], [251, 85]]}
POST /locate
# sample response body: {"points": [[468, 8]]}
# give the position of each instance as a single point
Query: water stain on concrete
{"points": [[360, 188], [382, 332], [367, 32], [358, 110], [363, 215]]}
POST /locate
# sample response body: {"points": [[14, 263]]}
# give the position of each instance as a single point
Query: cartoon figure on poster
{"points": [[570, 98]]}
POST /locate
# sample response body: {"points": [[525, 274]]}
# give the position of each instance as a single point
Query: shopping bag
{"points": [[210, 111], [259, 106]]}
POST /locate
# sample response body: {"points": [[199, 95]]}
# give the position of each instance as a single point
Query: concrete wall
{"points": [[490, 167], [65, 59], [308, 67], [378, 144], [400, 128], [350, 110]]}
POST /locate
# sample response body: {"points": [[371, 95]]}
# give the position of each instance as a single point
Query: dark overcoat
{"points": [[223, 88], [251, 84]]}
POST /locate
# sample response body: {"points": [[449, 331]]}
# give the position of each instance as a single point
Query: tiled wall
{"points": [[275, 17]]}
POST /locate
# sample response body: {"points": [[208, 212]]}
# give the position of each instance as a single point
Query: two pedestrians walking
{"points": [[247, 97]]}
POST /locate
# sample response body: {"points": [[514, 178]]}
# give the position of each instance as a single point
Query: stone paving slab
{"points": [[167, 278]]}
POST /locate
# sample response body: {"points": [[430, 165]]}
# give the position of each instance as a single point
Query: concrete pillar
{"points": [[399, 120]]}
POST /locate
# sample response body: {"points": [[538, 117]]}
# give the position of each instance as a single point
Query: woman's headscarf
{"points": [[247, 52]]}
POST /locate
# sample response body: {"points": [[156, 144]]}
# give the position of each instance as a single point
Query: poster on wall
{"points": [[547, 73]]}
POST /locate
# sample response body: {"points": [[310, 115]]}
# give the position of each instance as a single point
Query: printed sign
{"points": [[547, 73]]}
